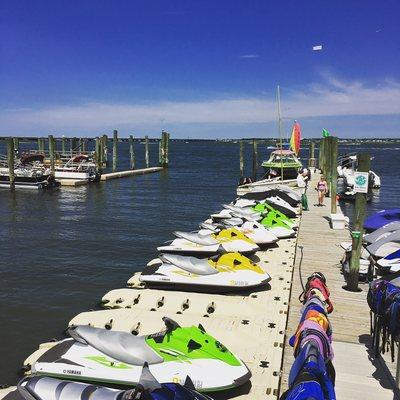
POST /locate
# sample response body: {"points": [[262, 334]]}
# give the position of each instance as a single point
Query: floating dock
{"points": [[256, 326], [123, 174]]}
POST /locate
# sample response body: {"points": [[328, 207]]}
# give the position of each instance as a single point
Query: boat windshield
{"points": [[285, 159]]}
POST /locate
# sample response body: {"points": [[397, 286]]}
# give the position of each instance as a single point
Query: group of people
{"points": [[304, 177]]}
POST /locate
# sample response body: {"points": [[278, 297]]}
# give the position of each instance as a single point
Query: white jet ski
{"points": [[101, 355], [219, 274], [347, 247], [382, 232], [225, 241], [390, 263], [36, 387], [386, 245], [253, 230]]}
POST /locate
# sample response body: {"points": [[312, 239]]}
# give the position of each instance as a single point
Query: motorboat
{"points": [[79, 167], [282, 162]]}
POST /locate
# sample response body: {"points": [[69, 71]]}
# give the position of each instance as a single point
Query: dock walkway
{"points": [[318, 249]]}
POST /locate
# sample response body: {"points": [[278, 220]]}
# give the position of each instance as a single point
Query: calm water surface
{"points": [[62, 251]]}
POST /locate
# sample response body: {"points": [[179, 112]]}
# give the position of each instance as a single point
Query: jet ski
{"points": [[227, 240], [237, 212], [390, 263], [38, 387], [288, 195], [275, 202], [386, 245], [278, 227], [101, 355], [253, 230], [266, 209], [381, 218], [382, 232], [221, 273]]}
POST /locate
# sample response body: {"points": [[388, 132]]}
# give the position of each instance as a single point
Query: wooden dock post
{"points": [[241, 159], [16, 144], [115, 150], [166, 149], [328, 156], [363, 161], [10, 161], [131, 153], [97, 152], [333, 168], [63, 145], [40, 142], [321, 158], [51, 153], [105, 150], [146, 151], [255, 163], [311, 156], [163, 149], [83, 144]]}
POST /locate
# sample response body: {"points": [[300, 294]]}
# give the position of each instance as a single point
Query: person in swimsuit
{"points": [[322, 188]]}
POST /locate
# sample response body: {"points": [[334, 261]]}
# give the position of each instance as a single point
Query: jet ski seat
{"points": [[121, 346], [196, 238], [190, 264]]}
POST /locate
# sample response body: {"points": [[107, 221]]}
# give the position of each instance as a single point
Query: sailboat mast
{"points": [[278, 95]]}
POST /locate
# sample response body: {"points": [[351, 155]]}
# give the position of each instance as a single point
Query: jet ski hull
{"points": [[83, 362], [381, 218]]}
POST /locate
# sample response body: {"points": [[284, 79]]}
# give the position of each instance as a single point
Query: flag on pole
{"points": [[295, 138], [325, 133]]}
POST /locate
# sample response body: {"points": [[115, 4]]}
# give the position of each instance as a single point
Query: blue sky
{"points": [[199, 68]]}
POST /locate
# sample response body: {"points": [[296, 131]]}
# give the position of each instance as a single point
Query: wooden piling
{"points": [[10, 161], [97, 152], [146, 151], [16, 145], [83, 144], [115, 150], [255, 163], [311, 157], [333, 159], [363, 165], [52, 153], [40, 142], [241, 158], [321, 156], [163, 150], [63, 145], [328, 157], [167, 135], [105, 150], [131, 153]]}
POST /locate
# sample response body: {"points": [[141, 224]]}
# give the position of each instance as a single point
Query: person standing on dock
{"points": [[322, 188]]}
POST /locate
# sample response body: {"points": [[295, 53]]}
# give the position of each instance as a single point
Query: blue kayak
{"points": [[381, 218]]}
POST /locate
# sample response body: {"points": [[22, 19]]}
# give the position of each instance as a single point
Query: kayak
{"points": [[106, 356], [219, 274]]}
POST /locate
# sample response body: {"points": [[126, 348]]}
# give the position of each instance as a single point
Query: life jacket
{"points": [[310, 331], [315, 282]]}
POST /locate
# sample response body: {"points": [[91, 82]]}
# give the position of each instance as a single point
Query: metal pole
{"points": [[51, 153], [280, 128], [255, 163]]}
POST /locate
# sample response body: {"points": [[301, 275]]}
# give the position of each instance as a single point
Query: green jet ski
{"points": [[101, 355]]}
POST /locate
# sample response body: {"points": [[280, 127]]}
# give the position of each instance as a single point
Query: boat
{"points": [[381, 218], [148, 388], [113, 357], [390, 263], [385, 245], [349, 196], [219, 274], [29, 173], [282, 162], [227, 240], [80, 167]]}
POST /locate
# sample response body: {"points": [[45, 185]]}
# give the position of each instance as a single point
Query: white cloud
{"points": [[249, 56], [333, 97]]}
